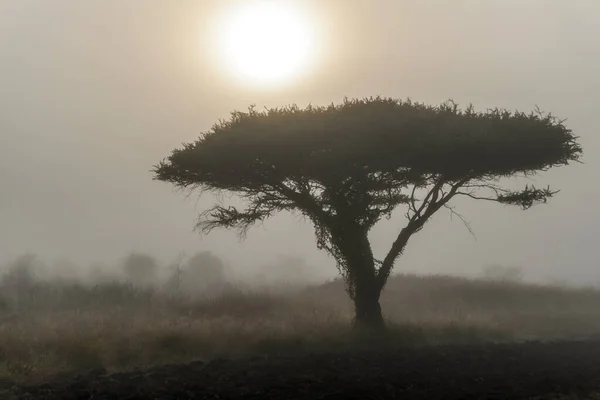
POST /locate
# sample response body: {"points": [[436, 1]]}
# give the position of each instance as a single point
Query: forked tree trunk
{"points": [[367, 308]]}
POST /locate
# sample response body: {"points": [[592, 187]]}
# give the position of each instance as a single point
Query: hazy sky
{"points": [[93, 93]]}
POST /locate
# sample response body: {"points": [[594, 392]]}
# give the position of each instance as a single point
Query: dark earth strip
{"points": [[493, 371]]}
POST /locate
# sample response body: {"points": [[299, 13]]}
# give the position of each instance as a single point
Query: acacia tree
{"points": [[347, 166]]}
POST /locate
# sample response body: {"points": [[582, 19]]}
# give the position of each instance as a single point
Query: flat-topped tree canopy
{"points": [[375, 135], [346, 166], [390, 142]]}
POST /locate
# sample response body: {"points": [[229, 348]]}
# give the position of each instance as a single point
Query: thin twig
{"points": [[467, 225]]}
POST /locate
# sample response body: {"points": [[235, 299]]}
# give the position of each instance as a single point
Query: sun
{"points": [[266, 42]]}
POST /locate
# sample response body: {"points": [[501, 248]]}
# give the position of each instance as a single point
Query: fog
{"points": [[94, 93]]}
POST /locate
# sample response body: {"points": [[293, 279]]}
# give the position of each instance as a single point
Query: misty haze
{"points": [[191, 181]]}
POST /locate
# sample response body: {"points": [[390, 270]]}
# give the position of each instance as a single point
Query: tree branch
{"points": [[525, 198], [430, 197], [430, 205], [477, 197]]}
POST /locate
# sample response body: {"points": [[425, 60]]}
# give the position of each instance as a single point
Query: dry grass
{"points": [[72, 328]]}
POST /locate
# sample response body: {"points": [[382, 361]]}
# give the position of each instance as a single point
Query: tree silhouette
{"points": [[349, 165], [205, 271], [140, 268]]}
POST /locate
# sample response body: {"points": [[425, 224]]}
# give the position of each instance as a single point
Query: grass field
{"points": [[52, 329]]}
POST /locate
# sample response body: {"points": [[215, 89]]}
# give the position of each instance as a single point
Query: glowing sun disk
{"points": [[267, 42]]}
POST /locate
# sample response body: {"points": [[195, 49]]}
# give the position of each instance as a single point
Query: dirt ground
{"points": [[494, 371]]}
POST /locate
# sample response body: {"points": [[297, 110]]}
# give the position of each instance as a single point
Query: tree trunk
{"points": [[364, 288], [367, 308]]}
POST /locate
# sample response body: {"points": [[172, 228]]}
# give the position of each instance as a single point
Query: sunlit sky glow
{"points": [[96, 92], [266, 42]]}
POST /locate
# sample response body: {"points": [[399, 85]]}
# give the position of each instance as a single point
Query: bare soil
{"points": [[493, 371]]}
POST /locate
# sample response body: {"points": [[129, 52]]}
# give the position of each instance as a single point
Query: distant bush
{"points": [[205, 273], [21, 272], [287, 269], [19, 281], [140, 269], [501, 273]]}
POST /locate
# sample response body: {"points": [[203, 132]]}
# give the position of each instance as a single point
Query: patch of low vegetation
{"points": [[59, 327]]}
